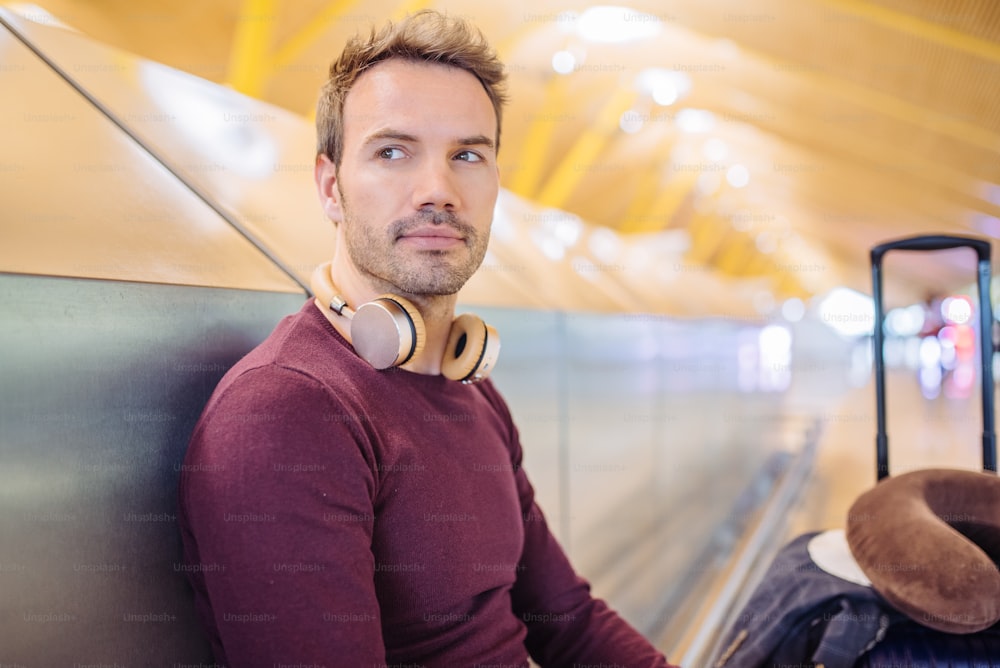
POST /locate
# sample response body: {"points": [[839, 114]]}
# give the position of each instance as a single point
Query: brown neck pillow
{"points": [[929, 541]]}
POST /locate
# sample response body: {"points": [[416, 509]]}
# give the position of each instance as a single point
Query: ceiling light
{"points": [[551, 248], [563, 62], [616, 25], [738, 176], [665, 96], [793, 309], [604, 244], [715, 149], [905, 321], [663, 85], [695, 121], [848, 312], [631, 121], [555, 232], [565, 227], [956, 310]]}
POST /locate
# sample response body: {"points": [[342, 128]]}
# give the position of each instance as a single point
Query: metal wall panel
{"points": [[100, 385]]}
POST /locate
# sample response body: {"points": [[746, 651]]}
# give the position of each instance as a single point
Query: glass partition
{"points": [[645, 435]]}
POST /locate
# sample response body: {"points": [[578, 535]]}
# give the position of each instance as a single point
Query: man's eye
{"points": [[391, 154], [469, 156]]}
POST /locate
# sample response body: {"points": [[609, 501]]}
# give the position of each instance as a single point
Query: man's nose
{"points": [[436, 187]]}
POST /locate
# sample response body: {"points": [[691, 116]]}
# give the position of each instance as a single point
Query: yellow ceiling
{"points": [[852, 122]]}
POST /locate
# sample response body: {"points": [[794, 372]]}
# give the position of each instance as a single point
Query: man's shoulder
{"points": [[292, 383], [300, 343], [495, 398]]}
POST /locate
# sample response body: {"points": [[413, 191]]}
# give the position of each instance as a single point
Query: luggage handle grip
{"points": [[932, 242]]}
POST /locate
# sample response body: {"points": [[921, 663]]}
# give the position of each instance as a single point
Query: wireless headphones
{"points": [[389, 331]]}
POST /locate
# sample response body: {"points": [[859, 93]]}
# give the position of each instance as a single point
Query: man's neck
{"points": [[438, 313]]}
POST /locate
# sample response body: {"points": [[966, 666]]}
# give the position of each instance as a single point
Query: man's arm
{"points": [[566, 625], [277, 517]]}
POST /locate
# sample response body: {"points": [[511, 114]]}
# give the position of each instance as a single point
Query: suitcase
{"points": [[909, 643]]}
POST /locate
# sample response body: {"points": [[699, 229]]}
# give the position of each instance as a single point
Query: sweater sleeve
{"points": [[277, 518], [566, 625]]}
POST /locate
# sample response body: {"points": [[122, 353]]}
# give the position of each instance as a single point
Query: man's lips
{"points": [[434, 231], [438, 236]]}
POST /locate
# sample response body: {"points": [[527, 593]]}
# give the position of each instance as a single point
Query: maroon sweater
{"points": [[336, 515]]}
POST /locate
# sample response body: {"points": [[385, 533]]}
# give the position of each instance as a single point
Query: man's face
{"points": [[418, 180]]}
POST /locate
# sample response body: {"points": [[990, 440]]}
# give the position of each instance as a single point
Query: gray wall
{"points": [[100, 385]]}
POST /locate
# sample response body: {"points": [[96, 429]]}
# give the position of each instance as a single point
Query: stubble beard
{"points": [[377, 255]]}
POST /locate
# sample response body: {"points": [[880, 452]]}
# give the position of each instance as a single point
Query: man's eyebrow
{"points": [[379, 135], [476, 140]]}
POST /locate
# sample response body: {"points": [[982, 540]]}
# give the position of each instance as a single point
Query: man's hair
{"points": [[427, 36]]}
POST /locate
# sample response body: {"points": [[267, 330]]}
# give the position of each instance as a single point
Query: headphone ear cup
{"points": [[472, 350], [387, 331]]}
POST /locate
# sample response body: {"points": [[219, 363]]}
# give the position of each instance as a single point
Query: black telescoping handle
{"points": [[931, 243]]}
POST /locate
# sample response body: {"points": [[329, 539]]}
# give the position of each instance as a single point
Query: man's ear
{"points": [[325, 174]]}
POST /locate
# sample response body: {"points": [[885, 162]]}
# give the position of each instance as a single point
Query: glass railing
{"points": [[652, 441]]}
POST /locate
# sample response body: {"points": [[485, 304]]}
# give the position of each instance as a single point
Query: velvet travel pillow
{"points": [[929, 541]]}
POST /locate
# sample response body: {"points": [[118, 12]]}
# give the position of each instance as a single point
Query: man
{"points": [[338, 514]]}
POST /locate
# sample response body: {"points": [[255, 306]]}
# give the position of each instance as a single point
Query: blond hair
{"points": [[427, 36]]}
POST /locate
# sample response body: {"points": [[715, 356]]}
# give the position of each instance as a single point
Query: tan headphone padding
{"points": [[466, 346]]}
